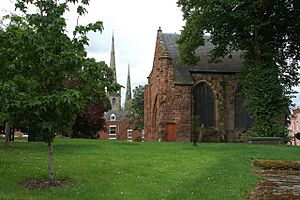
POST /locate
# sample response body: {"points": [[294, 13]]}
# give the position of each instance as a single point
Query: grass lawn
{"points": [[123, 170]]}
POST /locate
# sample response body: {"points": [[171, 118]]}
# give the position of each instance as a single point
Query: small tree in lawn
{"points": [[44, 60]]}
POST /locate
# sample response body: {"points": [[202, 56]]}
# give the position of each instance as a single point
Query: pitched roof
{"points": [[120, 115], [229, 64]]}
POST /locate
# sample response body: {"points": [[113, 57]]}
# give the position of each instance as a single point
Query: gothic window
{"points": [[242, 118], [204, 105], [113, 101]]}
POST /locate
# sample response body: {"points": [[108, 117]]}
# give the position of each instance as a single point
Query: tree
{"points": [[195, 130], [37, 65], [136, 116], [91, 120], [268, 35]]}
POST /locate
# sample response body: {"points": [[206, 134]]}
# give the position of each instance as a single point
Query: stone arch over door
{"points": [[204, 104], [242, 118]]}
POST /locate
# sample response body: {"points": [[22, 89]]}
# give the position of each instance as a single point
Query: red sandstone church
{"points": [[175, 93]]}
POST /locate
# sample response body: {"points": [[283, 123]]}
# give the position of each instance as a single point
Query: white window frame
{"points": [[129, 131], [112, 136]]}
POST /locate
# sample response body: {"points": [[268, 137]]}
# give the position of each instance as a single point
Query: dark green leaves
{"points": [[46, 80], [268, 34]]}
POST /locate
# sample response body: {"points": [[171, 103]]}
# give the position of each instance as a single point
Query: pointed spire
{"points": [[113, 59], [114, 97], [128, 88]]}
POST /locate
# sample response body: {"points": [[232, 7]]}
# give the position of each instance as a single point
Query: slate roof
{"points": [[182, 74], [120, 115]]}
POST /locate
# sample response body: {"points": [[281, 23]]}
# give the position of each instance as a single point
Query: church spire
{"points": [[113, 59], [114, 97], [128, 88]]}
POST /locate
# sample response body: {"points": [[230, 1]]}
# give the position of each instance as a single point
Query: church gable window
{"points": [[204, 105]]}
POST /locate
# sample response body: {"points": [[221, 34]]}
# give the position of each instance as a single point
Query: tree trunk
{"points": [[12, 134], [50, 163], [7, 135]]}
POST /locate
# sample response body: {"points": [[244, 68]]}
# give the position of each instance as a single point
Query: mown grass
{"points": [[123, 170]]}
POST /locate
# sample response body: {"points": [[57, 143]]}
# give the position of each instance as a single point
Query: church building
{"points": [[210, 91], [117, 126]]}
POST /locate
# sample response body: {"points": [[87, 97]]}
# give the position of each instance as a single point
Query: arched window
{"points": [[242, 117], [204, 105], [113, 101]]}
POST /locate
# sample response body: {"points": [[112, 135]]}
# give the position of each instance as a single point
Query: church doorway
{"points": [[171, 132]]}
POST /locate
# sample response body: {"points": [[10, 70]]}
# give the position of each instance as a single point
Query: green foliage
{"points": [[128, 106], [268, 35], [136, 116], [124, 170], [88, 124], [38, 64], [46, 80], [195, 129], [266, 101]]}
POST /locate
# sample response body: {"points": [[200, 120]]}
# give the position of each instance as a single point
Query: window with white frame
{"points": [[112, 130], [129, 133]]}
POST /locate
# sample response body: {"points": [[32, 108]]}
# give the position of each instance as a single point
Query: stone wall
{"points": [[223, 87]]}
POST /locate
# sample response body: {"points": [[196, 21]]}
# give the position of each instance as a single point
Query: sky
{"points": [[134, 24]]}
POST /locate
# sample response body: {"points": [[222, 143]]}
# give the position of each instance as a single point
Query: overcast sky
{"points": [[134, 24]]}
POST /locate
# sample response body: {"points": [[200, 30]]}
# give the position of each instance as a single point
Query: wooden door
{"points": [[171, 132]]}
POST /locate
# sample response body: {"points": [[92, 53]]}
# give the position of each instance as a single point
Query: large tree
{"points": [[39, 63], [267, 32]]}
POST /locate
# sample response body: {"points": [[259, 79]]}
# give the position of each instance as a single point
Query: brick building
{"points": [[175, 93], [117, 127]]}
